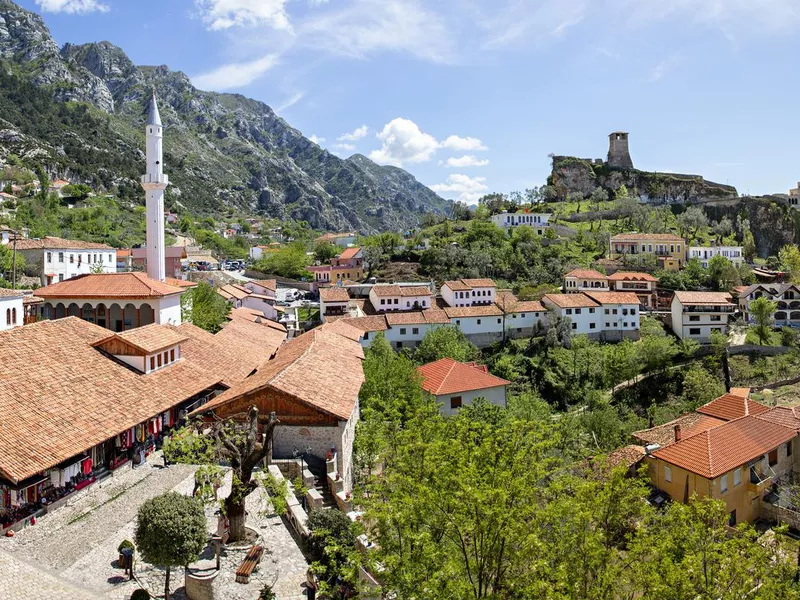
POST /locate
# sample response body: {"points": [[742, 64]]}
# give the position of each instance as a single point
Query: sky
{"points": [[472, 96]]}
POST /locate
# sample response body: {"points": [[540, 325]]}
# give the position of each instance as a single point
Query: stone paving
{"points": [[76, 545]]}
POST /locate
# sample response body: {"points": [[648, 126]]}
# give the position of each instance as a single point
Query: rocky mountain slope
{"points": [[221, 150]]}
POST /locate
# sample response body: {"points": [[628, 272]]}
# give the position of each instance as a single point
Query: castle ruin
{"points": [[618, 154]]}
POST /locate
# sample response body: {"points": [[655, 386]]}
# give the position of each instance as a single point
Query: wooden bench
{"points": [[249, 564]]}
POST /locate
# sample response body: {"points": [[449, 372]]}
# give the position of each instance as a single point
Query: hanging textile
{"points": [[55, 478], [87, 466]]}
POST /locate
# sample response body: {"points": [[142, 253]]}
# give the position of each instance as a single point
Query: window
{"points": [[773, 458], [396, 301], [13, 316], [732, 518], [366, 335], [569, 311], [625, 324], [577, 311], [455, 402], [614, 311], [458, 321], [152, 362], [61, 277], [408, 303], [591, 311], [514, 316], [71, 258], [667, 473], [574, 325], [383, 301], [788, 448], [737, 477], [591, 325], [479, 321], [694, 331], [723, 483], [716, 318], [607, 311], [49, 257], [415, 330], [158, 359], [172, 355], [694, 318], [608, 325], [61, 257], [633, 311], [8, 316], [522, 315], [402, 331], [399, 345]]}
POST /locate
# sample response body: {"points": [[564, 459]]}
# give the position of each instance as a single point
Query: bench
{"points": [[249, 564]]}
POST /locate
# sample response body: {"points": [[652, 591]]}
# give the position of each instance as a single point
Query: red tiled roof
{"points": [[255, 316], [744, 392], [432, 315], [414, 290], [150, 338], [456, 286], [334, 294], [109, 285], [488, 310], [730, 407], [372, 323], [181, 283], [631, 276], [586, 274], [664, 435], [627, 456], [703, 298], [320, 369], [447, 376], [386, 290], [9, 293], [509, 303], [661, 237], [123, 252], [233, 291], [56, 243], [613, 297], [718, 450], [788, 416], [571, 300], [473, 283], [349, 253], [269, 284]]}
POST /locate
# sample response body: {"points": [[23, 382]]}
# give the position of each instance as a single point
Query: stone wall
{"points": [[776, 514], [482, 340]]}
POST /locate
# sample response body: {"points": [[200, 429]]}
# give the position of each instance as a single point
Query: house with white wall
{"points": [[242, 297], [696, 315], [12, 312], [705, 253], [539, 222], [786, 295], [58, 259], [334, 302], [619, 313], [582, 311], [641, 284], [579, 280], [521, 318], [482, 325], [455, 384], [469, 292], [393, 297]]}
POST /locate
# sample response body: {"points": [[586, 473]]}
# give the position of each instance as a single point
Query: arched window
{"points": [[14, 315], [8, 316]]}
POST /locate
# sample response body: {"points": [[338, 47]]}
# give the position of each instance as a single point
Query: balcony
{"points": [[710, 309]]}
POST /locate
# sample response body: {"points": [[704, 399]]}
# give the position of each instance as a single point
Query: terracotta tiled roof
{"points": [[59, 396], [255, 316], [626, 457], [509, 303], [334, 294], [613, 297], [788, 416], [730, 407], [109, 285], [660, 237], [703, 298], [123, 252], [9, 293], [57, 243], [414, 290], [344, 328], [320, 369], [181, 283], [253, 338], [151, 338], [349, 253], [744, 392], [433, 315], [631, 276], [664, 435], [373, 323], [473, 283], [447, 376], [386, 290], [718, 450], [489, 310], [269, 284], [31, 299], [233, 291], [457, 286], [570, 300], [586, 274]]}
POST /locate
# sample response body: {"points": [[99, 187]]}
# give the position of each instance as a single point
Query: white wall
{"points": [[390, 303], [256, 252], [262, 305], [476, 325], [76, 262], [514, 219], [495, 395], [620, 321], [257, 288], [447, 296], [584, 320], [705, 253], [407, 302], [469, 297], [7, 319], [525, 321], [409, 339], [168, 310]]}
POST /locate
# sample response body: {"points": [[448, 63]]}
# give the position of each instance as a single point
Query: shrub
{"points": [[125, 544], [140, 594], [267, 593]]}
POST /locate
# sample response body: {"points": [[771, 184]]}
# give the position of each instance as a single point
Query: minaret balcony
{"points": [[155, 179]]}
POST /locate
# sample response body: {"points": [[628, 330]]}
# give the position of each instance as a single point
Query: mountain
{"points": [[79, 111]]}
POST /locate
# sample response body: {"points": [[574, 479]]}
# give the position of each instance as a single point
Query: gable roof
{"points": [[267, 284], [9, 293], [414, 290], [334, 294], [473, 283], [690, 424], [788, 416], [349, 253], [417, 317], [448, 376], [703, 298], [661, 237], [255, 316], [571, 300], [233, 291], [729, 407], [369, 323], [50, 242], [509, 303], [487, 310], [631, 276], [150, 338], [109, 285], [613, 297], [320, 369], [384, 289], [586, 274], [717, 450]]}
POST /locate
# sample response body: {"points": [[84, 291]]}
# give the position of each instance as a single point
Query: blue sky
{"points": [[472, 95]]}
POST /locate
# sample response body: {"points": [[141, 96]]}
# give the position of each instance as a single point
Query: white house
{"points": [[454, 384], [58, 259], [483, 325], [538, 221], [116, 301], [579, 280], [786, 295], [521, 318], [619, 314], [333, 302], [393, 297], [697, 315], [705, 253], [582, 311], [641, 284], [265, 287], [469, 292], [11, 308]]}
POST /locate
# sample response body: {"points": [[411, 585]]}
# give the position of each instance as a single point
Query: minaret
{"points": [[154, 183]]}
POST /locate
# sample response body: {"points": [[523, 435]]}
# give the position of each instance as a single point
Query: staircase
{"points": [[318, 470]]}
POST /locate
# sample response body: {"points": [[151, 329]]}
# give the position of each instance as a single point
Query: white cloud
{"points": [[515, 22], [662, 68], [463, 144], [290, 101], [235, 75], [404, 142], [466, 161], [466, 188], [347, 147], [317, 140], [72, 6], [357, 134], [224, 14]]}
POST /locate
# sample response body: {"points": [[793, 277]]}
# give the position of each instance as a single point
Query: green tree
{"points": [[748, 245], [7, 261], [722, 274], [76, 191], [761, 310], [445, 342], [324, 251], [290, 261], [691, 221], [700, 387], [171, 531], [789, 257], [332, 550], [204, 307]]}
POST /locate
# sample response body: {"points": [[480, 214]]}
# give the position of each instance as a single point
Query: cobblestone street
{"points": [[72, 552]]}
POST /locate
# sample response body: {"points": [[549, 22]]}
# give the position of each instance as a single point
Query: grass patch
{"points": [[305, 313], [752, 338]]}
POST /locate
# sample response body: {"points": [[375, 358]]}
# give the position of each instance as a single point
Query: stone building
{"points": [[619, 155]]}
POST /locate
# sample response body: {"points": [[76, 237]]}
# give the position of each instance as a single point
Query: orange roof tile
{"points": [[664, 435], [150, 338], [631, 276], [744, 392], [488, 310], [334, 294], [661, 237], [268, 284], [509, 303], [457, 286], [448, 376], [57, 243], [59, 396], [626, 457], [414, 290], [371, 323], [256, 316], [586, 274], [717, 450], [181, 283], [9, 293], [703, 298], [788, 416], [570, 300], [382, 289], [349, 253], [730, 407], [344, 328], [473, 283], [320, 369], [109, 285], [233, 291], [417, 317], [613, 297]]}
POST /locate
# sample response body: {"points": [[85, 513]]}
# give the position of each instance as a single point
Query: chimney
{"points": [[678, 432]]}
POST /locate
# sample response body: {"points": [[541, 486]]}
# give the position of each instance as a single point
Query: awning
{"points": [[25, 483]]}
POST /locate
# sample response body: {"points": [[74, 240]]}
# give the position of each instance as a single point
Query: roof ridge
{"points": [[453, 364], [710, 454]]}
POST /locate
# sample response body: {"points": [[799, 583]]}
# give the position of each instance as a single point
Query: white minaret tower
{"points": [[154, 183]]}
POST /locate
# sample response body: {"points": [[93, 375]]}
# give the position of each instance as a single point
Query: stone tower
{"points": [[618, 154], [154, 182]]}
